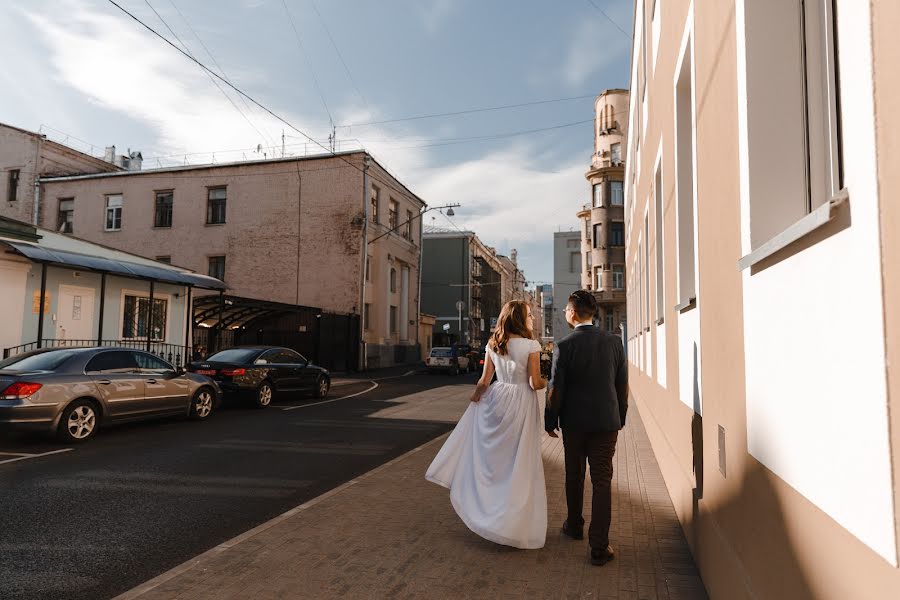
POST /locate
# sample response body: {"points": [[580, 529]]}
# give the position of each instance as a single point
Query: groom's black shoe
{"points": [[575, 534], [601, 556]]}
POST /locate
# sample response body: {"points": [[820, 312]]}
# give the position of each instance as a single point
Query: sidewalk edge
{"points": [[192, 563]]}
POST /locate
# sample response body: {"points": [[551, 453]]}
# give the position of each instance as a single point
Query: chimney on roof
{"points": [[135, 160], [514, 256], [110, 154]]}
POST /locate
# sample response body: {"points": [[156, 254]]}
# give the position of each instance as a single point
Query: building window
{"points": [[587, 259], [393, 319], [217, 267], [114, 212], [215, 206], [658, 241], [574, 262], [366, 310], [598, 195], [597, 227], [615, 152], [163, 209], [374, 202], [164, 259], [393, 211], [136, 318], [618, 277], [13, 185], [684, 178], [393, 280], [368, 268], [617, 233], [598, 278], [616, 194], [407, 231], [65, 215]]}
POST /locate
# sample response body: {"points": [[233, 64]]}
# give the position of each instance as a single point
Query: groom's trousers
{"points": [[598, 449]]}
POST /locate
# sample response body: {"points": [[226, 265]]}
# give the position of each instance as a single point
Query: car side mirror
{"points": [[180, 371]]}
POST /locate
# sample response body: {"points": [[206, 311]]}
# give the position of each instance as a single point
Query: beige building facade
{"points": [[603, 218], [761, 179], [25, 157], [333, 233]]}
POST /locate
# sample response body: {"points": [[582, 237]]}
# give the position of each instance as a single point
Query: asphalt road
{"points": [[139, 499]]}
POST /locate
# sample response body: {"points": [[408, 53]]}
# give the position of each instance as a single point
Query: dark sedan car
{"points": [[72, 391], [259, 372]]}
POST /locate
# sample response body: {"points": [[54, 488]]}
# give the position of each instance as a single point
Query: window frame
{"points": [[216, 205], [393, 214], [140, 300], [210, 260], [114, 211], [613, 231], [620, 195], [375, 204], [167, 211], [70, 221], [12, 183]]}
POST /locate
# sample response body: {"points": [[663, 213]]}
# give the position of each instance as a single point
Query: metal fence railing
{"points": [[172, 353]]}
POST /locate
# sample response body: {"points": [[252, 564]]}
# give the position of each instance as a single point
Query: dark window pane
{"points": [[115, 360], [235, 355], [13, 186], [152, 363], [163, 215], [215, 207], [45, 361]]}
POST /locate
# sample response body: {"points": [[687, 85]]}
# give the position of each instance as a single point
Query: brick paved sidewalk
{"points": [[391, 534]]}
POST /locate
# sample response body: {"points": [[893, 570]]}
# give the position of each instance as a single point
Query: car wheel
{"points": [[79, 422], [264, 394], [202, 404], [322, 386]]}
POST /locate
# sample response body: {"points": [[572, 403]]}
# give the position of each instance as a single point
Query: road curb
{"points": [[188, 565]]}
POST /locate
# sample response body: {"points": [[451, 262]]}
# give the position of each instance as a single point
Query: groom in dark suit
{"points": [[588, 398]]}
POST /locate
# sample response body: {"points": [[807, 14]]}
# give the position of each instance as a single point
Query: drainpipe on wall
{"points": [[419, 281], [36, 205], [362, 272]]}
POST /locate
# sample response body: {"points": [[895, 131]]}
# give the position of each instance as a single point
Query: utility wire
{"points": [[206, 71], [608, 18], [481, 138], [266, 138], [259, 104], [469, 111], [308, 61], [340, 56]]}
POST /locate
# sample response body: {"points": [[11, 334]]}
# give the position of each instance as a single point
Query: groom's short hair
{"points": [[584, 304]]}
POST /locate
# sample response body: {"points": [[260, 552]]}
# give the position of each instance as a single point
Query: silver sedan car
{"points": [[72, 391]]}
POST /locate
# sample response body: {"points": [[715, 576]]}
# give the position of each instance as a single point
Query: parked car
{"points": [[471, 354], [73, 391], [259, 372], [441, 359]]}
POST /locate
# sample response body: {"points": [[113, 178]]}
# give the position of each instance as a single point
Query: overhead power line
{"points": [[307, 59], [468, 111], [610, 19], [256, 102], [206, 71], [266, 138], [340, 56]]}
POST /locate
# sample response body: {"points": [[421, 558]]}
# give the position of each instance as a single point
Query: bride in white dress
{"points": [[492, 460]]}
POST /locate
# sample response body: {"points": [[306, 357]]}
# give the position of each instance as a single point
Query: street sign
{"points": [[446, 327], [460, 305]]}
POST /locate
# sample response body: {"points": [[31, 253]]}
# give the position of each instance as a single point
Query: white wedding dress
{"points": [[492, 460]]}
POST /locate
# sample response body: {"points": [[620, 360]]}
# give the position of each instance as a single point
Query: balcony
{"points": [[609, 296]]}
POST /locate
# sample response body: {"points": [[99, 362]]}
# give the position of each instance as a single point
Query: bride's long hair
{"points": [[513, 321]]}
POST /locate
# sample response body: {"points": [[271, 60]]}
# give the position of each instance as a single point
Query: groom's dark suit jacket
{"points": [[589, 386]]}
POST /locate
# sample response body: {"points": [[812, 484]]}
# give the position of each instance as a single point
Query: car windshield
{"points": [[441, 352], [235, 355], [44, 361]]}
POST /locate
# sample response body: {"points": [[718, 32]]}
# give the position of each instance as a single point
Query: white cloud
{"points": [[123, 68], [508, 196]]}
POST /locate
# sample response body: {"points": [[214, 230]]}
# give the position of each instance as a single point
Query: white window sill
{"points": [[811, 222], [686, 305]]}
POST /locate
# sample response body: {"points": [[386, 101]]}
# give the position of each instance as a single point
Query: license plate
{"points": [[441, 361], [206, 372]]}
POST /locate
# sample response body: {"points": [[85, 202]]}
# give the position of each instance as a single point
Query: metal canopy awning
{"points": [[232, 312], [99, 264]]}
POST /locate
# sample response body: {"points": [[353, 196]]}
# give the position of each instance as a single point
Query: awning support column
{"points": [[102, 307], [40, 337], [150, 316]]}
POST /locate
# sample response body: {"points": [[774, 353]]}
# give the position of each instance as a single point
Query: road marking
{"points": [[22, 456], [374, 385], [373, 424]]}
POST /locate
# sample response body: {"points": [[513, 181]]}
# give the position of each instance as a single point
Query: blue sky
{"points": [[86, 70]]}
